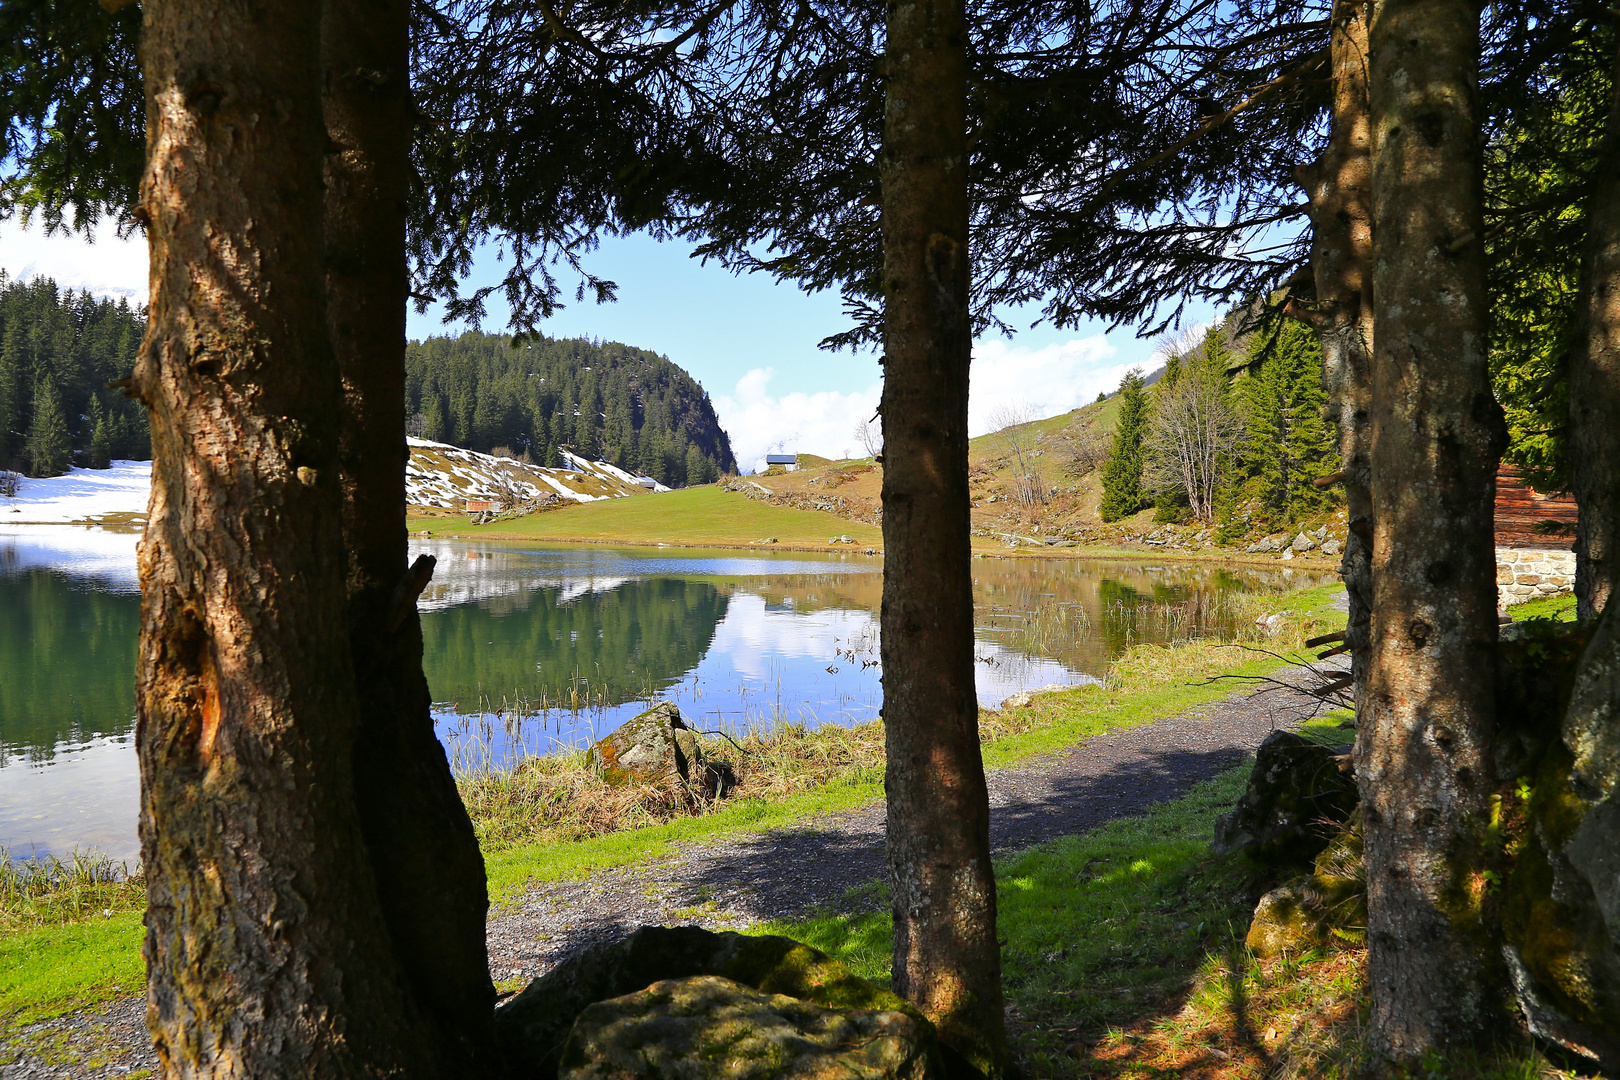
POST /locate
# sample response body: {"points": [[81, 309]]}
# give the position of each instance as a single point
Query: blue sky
{"points": [[748, 340]]}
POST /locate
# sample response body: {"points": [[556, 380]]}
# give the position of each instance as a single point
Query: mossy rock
{"points": [[1328, 904], [1561, 902], [705, 1026], [1296, 798], [653, 747], [533, 1027]]}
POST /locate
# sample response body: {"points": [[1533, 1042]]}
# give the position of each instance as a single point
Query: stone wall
{"points": [[1530, 573]]}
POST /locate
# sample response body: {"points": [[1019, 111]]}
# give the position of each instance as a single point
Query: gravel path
{"points": [[822, 862], [736, 882]]}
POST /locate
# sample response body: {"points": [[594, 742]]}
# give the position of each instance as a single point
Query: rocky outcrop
{"points": [[1561, 909], [705, 1026], [1297, 795], [534, 1026]]}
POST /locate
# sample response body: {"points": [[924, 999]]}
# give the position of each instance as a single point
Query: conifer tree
{"points": [[13, 392], [1288, 444], [48, 442], [1122, 475], [101, 436]]}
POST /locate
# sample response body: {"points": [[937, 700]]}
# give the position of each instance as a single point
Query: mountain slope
{"points": [[601, 400], [444, 477]]}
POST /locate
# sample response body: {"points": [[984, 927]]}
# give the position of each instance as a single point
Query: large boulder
{"points": [[533, 1027], [1298, 794], [657, 747], [709, 1027]]}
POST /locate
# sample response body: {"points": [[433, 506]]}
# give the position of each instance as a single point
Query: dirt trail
{"points": [[735, 882]]}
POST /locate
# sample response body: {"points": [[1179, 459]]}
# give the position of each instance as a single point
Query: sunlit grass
{"points": [[1557, 608], [692, 516]]}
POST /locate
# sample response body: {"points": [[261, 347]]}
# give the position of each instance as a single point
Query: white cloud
{"points": [[797, 423], [1052, 379], [108, 267]]}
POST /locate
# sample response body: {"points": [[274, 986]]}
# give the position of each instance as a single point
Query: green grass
{"points": [[53, 969], [1098, 927], [511, 869], [1557, 608], [696, 516]]}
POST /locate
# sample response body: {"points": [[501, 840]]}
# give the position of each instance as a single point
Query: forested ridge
{"points": [[59, 350], [603, 400]]}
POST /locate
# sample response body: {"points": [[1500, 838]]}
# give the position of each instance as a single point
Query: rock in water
{"points": [[1296, 797], [705, 1026], [654, 748], [534, 1025]]}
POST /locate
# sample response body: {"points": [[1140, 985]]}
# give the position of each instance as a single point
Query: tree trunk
{"points": [[1423, 745], [1340, 188], [1594, 382], [423, 851], [946, 957], [265, 949]]}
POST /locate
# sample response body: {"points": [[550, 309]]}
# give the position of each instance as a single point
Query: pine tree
{"points": [[1288, 444], [697, 466], [434, 429], [13, 392], [49, 444], [101, 437], [1122, 475]]}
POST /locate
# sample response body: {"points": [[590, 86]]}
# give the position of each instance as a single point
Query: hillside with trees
{"points": [[603, 400], [1231, 433], [58, 353]]}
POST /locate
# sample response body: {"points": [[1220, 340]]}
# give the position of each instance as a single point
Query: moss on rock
{"points": [[534, 1025], [706, 1026]]}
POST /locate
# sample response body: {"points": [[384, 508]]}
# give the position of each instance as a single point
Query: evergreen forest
{"points": [[1231, 432], [601, 400], [59, 351]]}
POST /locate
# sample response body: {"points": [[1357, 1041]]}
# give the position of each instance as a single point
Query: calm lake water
{"points": [[529, 649]]}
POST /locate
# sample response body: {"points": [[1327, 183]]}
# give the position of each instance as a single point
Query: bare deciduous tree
{"points": [[1194, 433], [869, 433], [1087, 450], [1012, 422]]}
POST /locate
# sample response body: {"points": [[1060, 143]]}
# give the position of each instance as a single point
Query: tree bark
{"points": [[265, 949], [946, 956], [1594, 382], [1340, 188], [1423, 745], [422, 848]]}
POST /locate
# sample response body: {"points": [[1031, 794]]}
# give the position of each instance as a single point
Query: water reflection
{"points": [[528, 649]]}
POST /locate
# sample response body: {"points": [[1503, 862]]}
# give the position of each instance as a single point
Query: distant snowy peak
{"points": [[447, 476]]}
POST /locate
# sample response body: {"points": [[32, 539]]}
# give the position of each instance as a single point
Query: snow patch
{"points": [[80, 495]]}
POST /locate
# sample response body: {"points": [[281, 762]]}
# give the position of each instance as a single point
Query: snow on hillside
{"points": [[438, 475], [110, 496], [446, 476]]}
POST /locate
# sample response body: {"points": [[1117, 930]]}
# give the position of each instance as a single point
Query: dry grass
{"points": [[1301, 1017], [559, 797], [49, 891]]}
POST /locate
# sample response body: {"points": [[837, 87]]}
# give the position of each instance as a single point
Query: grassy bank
{"points": [[711, 517], [551, 818], [707, 516]]}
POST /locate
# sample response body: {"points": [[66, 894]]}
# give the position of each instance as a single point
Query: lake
{"points": [[529, 649]]}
